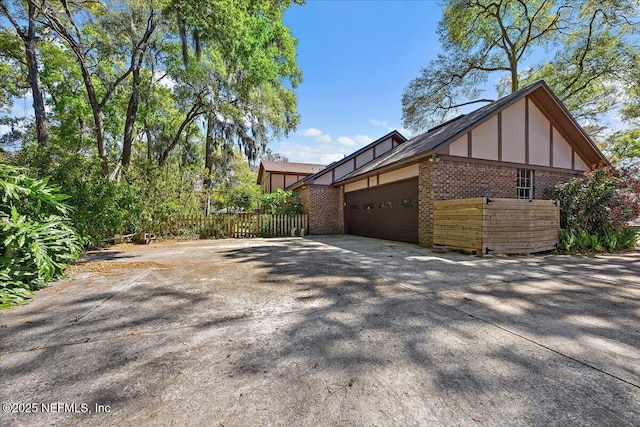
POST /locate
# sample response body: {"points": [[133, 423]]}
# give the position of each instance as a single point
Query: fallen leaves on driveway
{"points": [[111, 266]]}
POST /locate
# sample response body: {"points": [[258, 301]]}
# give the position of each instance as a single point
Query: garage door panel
{"points": [[385, 212]]}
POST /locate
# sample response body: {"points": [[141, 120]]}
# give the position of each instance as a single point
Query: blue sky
{"points": [[356, 57]]}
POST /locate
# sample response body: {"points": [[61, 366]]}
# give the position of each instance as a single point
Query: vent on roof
{"points": [[446, 123]]}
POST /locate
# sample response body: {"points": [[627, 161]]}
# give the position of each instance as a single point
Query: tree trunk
{"points": [[209, 142], [132, 113], [514, 74], [208, 160], [96, 109], [190, 117], [42, 128]]}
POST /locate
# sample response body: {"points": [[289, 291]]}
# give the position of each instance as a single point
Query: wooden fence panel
{"points": [[497, 225], [458, 223], [241, 225]]}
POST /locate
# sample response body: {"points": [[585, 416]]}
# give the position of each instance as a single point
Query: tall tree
{"points": [[94, 32], [22, 16], [242, 58], [482, 38], [598, 43], [245, 58], [138, 21], [68, 19]]}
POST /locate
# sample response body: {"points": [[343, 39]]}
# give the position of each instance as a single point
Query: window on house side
{"points": [[524, 184]]}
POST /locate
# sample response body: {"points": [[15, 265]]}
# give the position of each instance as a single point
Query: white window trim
{"points": [[529, 188]]}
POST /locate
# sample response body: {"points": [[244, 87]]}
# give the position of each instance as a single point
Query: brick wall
{"points": [[305, 198], [448, 179], [325, 210], [544, 182], [341, 210]]}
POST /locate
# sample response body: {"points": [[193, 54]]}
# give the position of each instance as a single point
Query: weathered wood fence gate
{"points": [[236, 225], [488, 225]]}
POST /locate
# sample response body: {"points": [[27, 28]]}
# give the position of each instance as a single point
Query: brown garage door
{"points": [[385, 212]]}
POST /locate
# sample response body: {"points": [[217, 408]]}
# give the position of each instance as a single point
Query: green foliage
{"points": [[101, 207], [36, 238], [12, 74], [624, 147], [245, 196], [233, 183], [282, 202], [595, 211], [138, 133], [610, 241], [484, 40], [165, 192], [603, 200]]}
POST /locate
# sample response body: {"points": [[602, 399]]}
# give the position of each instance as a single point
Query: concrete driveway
{"points": [[334, 330]]}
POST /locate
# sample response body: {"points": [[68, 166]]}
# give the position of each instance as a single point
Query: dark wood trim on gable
{"points": [[526, 130], [469, 142], [374, 149], [550, 144], [509, 164], [270, 182], [500, 136], [561, 131], [333, 175]]}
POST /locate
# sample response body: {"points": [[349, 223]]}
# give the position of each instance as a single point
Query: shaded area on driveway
{"points": [[587, 308], [294, 332]]}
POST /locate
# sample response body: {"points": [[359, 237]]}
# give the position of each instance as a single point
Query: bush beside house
{"points": [[596, 211]]}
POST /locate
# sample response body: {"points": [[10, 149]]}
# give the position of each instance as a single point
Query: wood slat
{"points": [[503, 225], [243, 225]]}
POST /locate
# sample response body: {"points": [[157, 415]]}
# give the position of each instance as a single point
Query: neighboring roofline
{"points": [[392, 134], [516, 96], [262, 169]]}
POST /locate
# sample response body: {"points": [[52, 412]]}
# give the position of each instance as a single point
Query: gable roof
{"points": [[394, 134], [440, 136], [288, 168]]}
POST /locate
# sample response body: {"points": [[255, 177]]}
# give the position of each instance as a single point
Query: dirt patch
{"points": [[111, 266]]}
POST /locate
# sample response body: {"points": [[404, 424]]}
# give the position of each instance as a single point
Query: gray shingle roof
{"points": [[437, 137], [393, 134]]}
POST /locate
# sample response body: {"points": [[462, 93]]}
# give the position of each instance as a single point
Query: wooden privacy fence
{"points": [[236, 225], [488, 225]]}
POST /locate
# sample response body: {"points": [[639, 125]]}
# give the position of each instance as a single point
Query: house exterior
{"points": [[274, 175], [322, 199], [520, 146]]}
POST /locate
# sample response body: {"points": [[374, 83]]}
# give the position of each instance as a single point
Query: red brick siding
{"points": [[425, 204], [325, 210], [448, 179], [341, 208], [544, 182], [305, 198]]}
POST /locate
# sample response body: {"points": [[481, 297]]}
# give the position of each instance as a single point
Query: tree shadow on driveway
{"points": [[455, 364], [286, 332]]}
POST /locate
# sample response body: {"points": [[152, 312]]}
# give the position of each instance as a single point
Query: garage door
{"points": [[385, 212]]}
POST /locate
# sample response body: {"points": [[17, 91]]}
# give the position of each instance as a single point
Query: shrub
{"points": [[101, 208], [610, 241], [603, 200], [595, 211], [282, 202], [36, 238]]}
